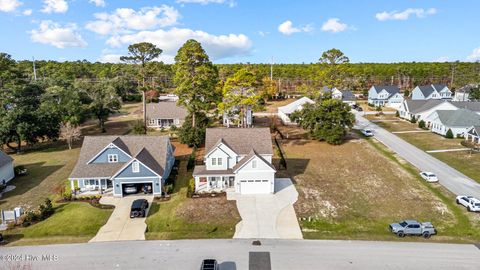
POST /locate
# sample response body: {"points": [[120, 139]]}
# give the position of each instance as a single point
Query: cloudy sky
{"points": [[234, 31]]}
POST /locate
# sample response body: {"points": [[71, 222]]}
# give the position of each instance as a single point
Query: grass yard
{"points": [[430, 141], [185, 218], [463, 161], [73, 222], [354, 190]]}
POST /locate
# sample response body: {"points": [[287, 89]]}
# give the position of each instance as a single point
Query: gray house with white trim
{"points": [[385, 95], [165, 114], [432, 91], [112, 163]]}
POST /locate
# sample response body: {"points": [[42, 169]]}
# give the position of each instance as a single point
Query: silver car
{"points": [[413, 227]]}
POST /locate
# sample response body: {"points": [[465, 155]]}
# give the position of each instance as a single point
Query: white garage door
{"points": [[254, 186]]}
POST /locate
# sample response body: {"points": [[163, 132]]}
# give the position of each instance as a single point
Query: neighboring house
{"points": [[348, 97], [112, 163], [6, 168], [231, 118], [469, 105], [423, 108], [337, 94], [165, 114], [463, 94], [388, 96], [440, 121], [236, 159], [432, 91], [473, 134], [284, 112]]}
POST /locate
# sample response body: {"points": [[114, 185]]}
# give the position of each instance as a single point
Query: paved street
{"points": [[450, 178], [268, 215], [234, 254], [120, 226]]}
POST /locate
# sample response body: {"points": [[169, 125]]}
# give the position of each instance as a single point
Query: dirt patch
{"points": [[181, 150], [353, 180], [208, 210]]}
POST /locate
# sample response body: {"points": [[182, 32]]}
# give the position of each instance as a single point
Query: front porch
{"points": [[204, 184], [91, 186]]}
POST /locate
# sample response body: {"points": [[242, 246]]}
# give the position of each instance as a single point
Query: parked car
{"points": [[130, 190], [429, 177], [413, 227], [471, 203], [209, 264], [139, 208], [367, 132]]}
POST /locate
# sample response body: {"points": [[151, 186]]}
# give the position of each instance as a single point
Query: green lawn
{"points": [[185, 218], [72, 223], [463, 161], [430, 141]]}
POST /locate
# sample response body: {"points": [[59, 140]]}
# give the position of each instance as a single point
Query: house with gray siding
{"points": [[112, 163], [165, 114], [432, 91], [6, 168], [385, 95]]}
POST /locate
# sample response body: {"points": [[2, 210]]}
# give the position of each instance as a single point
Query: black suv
{"points": [[139, 208]]}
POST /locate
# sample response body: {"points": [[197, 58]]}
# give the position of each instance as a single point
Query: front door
{"points": [[231, 181]]}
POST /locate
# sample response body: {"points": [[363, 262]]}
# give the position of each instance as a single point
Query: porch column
{"points": [[72, 185]]}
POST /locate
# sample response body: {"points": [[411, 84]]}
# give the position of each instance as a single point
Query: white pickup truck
{"points": [[413, 227]]}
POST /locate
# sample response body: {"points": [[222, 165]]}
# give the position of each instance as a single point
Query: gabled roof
{"points": [[325, 89], [426, 90], [150, 150], [4, 159], [292, 107], [460, 117], [391, 89], [240, 140], [470, 105], [439, 87], [476, 129], [418, 106], [246, 159], [348, 96], [165, 110]]}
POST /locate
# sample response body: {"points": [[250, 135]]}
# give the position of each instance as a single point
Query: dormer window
{"points": [[112, 158], [135, 167]]}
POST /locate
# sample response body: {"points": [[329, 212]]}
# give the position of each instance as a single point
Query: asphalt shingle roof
{"points": [[417, 106], [4, 159], [150, 150], [391, 89], [165, 110], [348, 96], [460, 117], [240, 140], [426, 90], [470, 105]]}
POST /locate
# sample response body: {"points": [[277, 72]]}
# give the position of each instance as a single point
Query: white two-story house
{"points": [[236, 159], [388, 96], [432, 91]]}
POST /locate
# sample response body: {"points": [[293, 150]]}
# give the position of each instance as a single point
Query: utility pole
{"points": [[34, 70], [271, 70]]}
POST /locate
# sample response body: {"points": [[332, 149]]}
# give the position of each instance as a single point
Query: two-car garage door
{"points": [[255, 186]]}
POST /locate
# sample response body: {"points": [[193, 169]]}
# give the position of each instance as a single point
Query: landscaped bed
{"points": [[354, 190]]}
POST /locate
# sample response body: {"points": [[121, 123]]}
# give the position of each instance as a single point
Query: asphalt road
{"points": [[450, 178], [235, 254]]}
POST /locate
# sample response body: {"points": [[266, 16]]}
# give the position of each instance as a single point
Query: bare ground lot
{"points": [[353, 191]]}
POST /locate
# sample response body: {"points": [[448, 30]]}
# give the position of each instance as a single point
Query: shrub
{"points": [[378, 108], [449, 134], [20, 170], [2, 187], [413, 120], [138, 127], [169, 189], [67, 195], [191, 187], [46, 210], [397, 114], [421, 124], [191, 161]]}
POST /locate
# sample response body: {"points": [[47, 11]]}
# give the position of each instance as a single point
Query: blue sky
{"points": [[243, 31]]}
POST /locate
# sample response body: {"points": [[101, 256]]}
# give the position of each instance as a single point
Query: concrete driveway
{"points": [[268, 215], [120, 226], [453, 180]]}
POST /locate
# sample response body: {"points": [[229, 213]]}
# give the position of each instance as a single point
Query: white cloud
{"points": [[263, 33], [110, 58], [54, 34], [98, 3], [442, 59], [231, 3], [123, 20], [405, 15], [217, 46], [334, 25], [9, 5], [54, 6], [27, 12], [287, 28], [475, 55]]}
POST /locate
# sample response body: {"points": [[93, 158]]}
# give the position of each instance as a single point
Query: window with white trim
{"points": [[219, 161], [135, 167], [214, 161], [254, 164], [112, 158]]}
